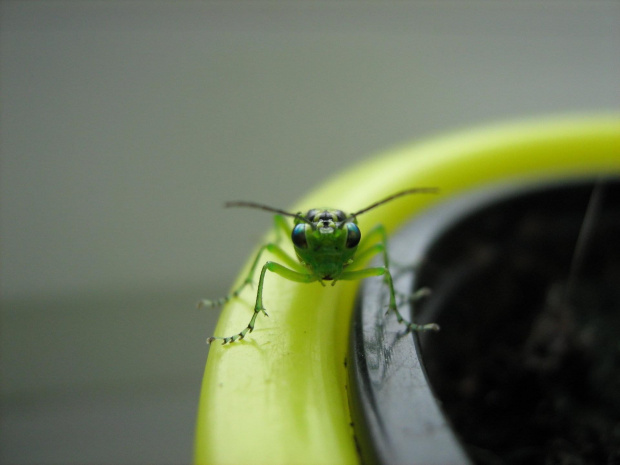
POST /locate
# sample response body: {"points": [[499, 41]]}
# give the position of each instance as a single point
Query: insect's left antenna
{"points": [[266, 208]]}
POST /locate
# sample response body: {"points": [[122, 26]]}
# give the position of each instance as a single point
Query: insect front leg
{"points": [[392, 307], [379, 234], [282, 228], [292, 275]]}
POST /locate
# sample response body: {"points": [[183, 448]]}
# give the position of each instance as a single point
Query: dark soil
{"points": [[527, 362]]}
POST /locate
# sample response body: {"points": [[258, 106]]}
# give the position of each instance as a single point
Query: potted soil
{"points": [[525, 286]]}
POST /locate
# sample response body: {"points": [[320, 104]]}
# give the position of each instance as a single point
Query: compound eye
{"points": [[298, 236], [353, 235]]}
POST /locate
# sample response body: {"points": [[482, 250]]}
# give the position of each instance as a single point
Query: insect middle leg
{"points": [[379, 235], [292, 275]]}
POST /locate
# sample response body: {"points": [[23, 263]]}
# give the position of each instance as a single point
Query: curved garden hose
{"points": [[280, 395]]}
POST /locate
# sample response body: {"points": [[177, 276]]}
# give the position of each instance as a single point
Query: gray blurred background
{"points": [[126, 125]]}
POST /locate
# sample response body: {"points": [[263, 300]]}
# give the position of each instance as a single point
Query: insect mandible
{"points": [[326, 244]]}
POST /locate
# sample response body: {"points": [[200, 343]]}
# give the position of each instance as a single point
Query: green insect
{"points": [[326, 242]]}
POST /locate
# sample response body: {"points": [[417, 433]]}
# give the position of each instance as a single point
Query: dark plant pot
{"points": [[526, 367]]}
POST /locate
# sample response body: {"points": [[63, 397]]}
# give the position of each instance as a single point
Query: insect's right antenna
{"points": [[266, 208], [417, 190]]}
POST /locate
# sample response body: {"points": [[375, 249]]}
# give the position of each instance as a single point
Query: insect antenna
{"points": [[416, 190], [260, 206]]}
